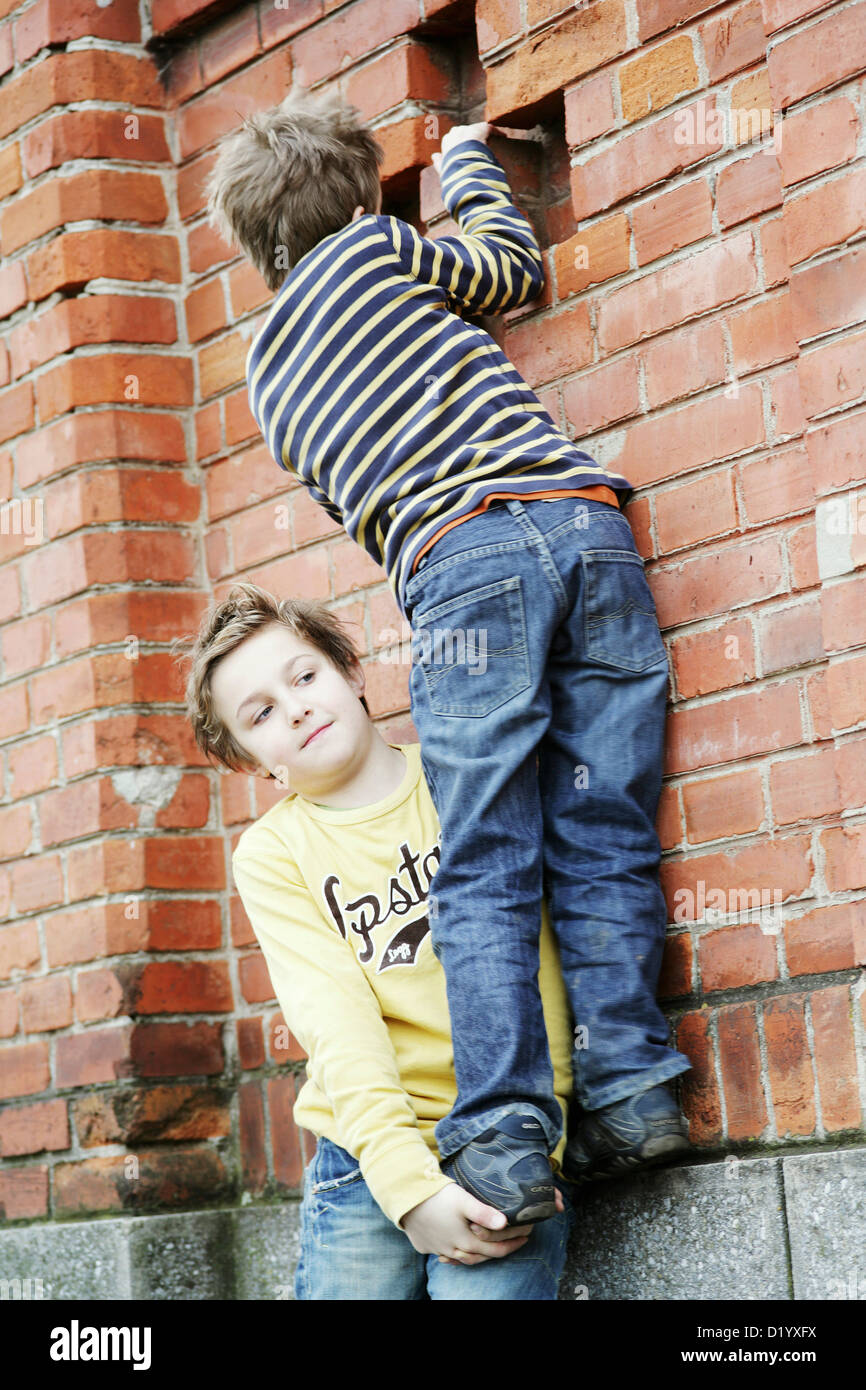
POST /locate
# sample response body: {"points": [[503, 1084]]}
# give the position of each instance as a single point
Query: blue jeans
{"points": [[350, 1250], [538, 687]]}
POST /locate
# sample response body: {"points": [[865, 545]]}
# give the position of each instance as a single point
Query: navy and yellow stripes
{"points": [[398, 415]]}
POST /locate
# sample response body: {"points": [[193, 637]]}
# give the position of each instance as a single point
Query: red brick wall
{"points": [[702, 329]]}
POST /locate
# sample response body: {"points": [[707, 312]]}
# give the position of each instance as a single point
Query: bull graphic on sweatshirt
{"points": [[406, 890]]}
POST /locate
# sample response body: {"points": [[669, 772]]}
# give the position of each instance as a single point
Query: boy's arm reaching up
{"points": [[495, 264]]}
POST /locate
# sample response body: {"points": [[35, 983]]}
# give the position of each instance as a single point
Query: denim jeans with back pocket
{"points": [[538, 687]]}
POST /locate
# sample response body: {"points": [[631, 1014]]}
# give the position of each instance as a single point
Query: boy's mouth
{"points": [[315, 734]]}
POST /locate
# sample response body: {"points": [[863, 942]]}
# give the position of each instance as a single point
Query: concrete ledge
{"points": [[706, 1231], [745, 1229], [231, 1253], [825, 1195]]}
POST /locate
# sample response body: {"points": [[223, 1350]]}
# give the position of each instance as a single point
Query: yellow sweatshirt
{"points": [[337, 900]]}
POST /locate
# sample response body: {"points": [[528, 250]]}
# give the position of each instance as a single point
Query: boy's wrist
{"points": [[417, 1200]]}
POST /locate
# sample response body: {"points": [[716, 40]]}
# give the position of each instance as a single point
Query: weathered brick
{"points": [[835, 1058], [98, 1054], [845, 852], [778, 485], [700, 1091], [252, 1136], [682, 362], [826, 939], [720, 807], [734, 39], [714, 660], [695, 512], [646, 156], [763, 334], [736, 956], [183, 987], [31, 1129], [667, 297], [596, 399], [176, 1049], [597, 253], [46, 1004], [819, 56], [657, 77], [698, 432], [825, 216], [672, 220], [251, 1047], [589, 110], [748, 187], [788, 1066], [740, 1060], [287, 1157], [655, 16], [178, 1178], [791, 637], [576, 45], [830, 295], [833, 374], [817, 139], [748, 722], [23, 1193]]}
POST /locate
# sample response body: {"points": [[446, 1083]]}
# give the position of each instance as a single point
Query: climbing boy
{"points": [[544, 760]]}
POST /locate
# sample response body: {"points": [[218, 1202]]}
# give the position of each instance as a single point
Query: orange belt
{"points": [[598, 490]]}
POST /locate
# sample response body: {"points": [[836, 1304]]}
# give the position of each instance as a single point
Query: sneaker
{"points": [[632, 1133], [509, 1169]]}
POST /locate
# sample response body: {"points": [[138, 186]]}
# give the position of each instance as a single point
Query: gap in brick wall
{"points": [[538, 170], [451, 42], [556, 218], [537, 167]]}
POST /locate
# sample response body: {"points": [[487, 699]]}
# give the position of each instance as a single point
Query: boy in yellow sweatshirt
{"points": [[336, 879]]}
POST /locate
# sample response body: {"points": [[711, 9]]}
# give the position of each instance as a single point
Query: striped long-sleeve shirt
{"points": [[397, 415]]}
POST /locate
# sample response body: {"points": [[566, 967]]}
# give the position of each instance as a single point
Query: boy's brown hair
{"points": [[246, 610], [290, 176]]}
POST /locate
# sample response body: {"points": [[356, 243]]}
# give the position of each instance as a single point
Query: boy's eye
{"points": [[304, 677]]}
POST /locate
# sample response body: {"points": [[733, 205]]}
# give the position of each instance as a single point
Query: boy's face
{"points": [[293, 711]]}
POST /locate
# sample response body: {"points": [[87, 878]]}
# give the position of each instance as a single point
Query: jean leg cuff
{"points": [[637, 1084], [452, 1141]]}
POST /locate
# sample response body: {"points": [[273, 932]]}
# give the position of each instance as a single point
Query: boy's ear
{"points": [[253, 769], [357, 678]]}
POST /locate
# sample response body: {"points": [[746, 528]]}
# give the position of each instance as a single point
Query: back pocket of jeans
{"points": [[471, 650], [621, 625]]}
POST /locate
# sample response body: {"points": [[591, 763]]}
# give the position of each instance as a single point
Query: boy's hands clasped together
{"points": [[461, 1230]]}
